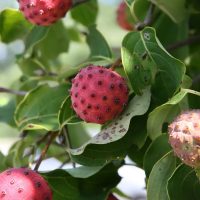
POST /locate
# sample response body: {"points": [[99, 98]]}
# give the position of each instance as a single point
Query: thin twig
{"points": [[6, 90], [188, 41], [68, 143], [117, 63], [77, 3], [52, 136], [148, 19]]}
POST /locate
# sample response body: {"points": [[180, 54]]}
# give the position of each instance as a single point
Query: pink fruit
{"points": [[44, 12], [23, 184], [123, 17], [184, 137], [98, 94]]}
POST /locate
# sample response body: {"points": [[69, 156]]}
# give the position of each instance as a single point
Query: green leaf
{"points": [[16, 155], [139, 9], [55, 42], [158, 148], [166, 113], [86, 13], [39, 109], [31, 67], [83, 183], [146, 62], [161, 172], [2, 164], [97, 43], [176, 10], [137, 154], [111, 134], [66, 114], [37, 34], [169, 36], [7, 112], [184, 184], [13, 25]]}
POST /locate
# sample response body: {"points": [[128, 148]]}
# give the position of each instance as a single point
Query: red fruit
{"points": [[23, 184], [123, 17], [98, 94], [184, 137], [44, 12]]}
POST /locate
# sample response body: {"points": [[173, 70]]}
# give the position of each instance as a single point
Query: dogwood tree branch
{"points": [[188, 41], [148, 19], [51, 138], [6, 90]]}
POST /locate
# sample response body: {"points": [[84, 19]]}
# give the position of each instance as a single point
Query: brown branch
{"points": [[6, 90], [148, 19], [52, 136], [188, 41], [117, 63]]}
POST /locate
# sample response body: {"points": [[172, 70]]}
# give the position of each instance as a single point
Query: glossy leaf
{"points": [[159, 176], [39, 109], [146, 62]]}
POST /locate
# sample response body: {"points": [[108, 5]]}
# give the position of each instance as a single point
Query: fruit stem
{"points": [[148, 19], [6, 90], [68, 143], [117, 63], [51, 138]]}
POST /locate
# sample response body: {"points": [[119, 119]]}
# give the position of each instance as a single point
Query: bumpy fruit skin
{"points": [[44, 12], [184, 137], [123, 17], [98, 94], [23, 184]]}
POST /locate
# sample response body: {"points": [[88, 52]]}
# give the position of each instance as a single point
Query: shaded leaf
{"points": [[161, 172], [85, 13], [176, 10], [83, 183], [184, 184], [158, 148]]}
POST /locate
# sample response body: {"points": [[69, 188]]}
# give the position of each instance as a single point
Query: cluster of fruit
{"points": [[98, 95]]}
